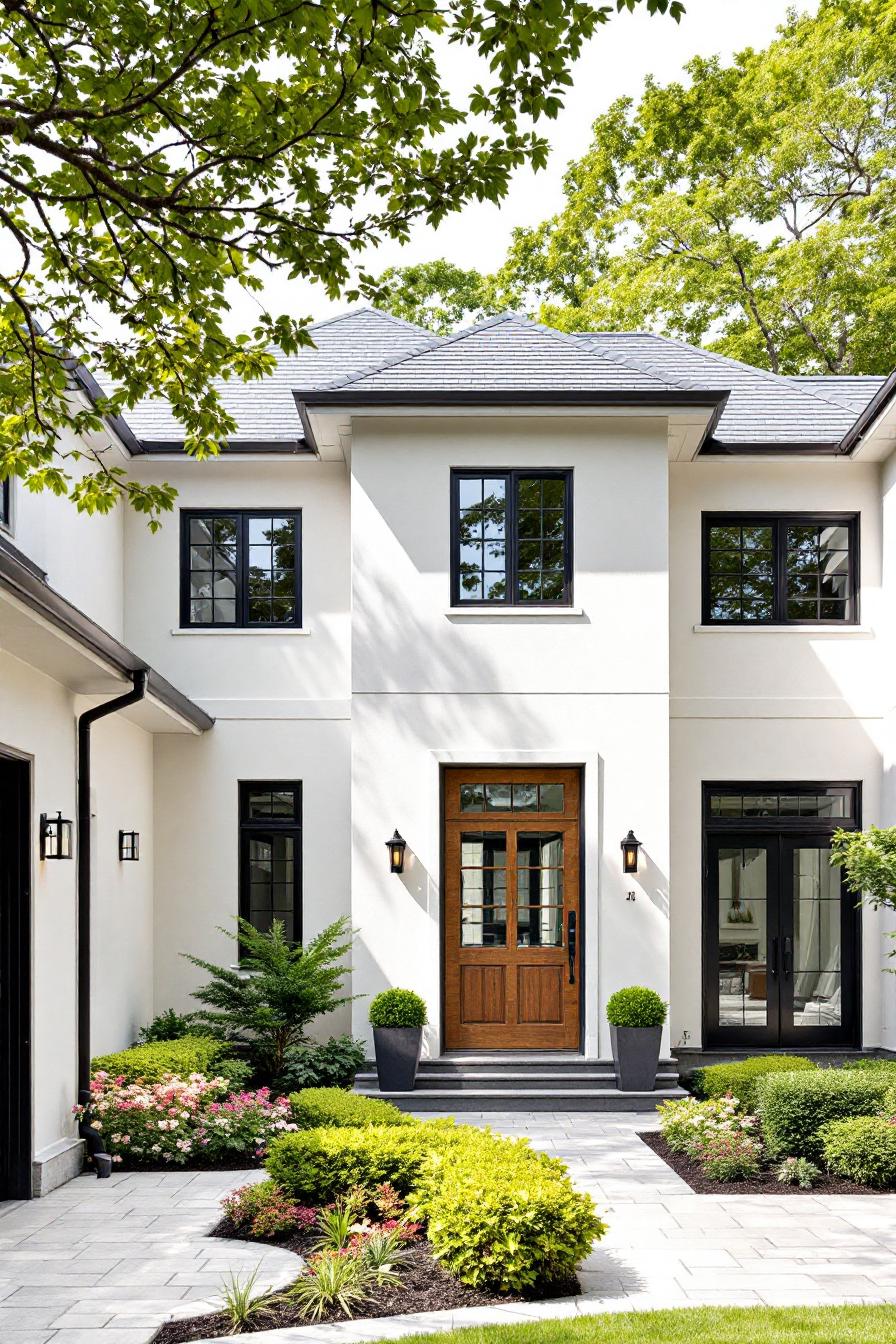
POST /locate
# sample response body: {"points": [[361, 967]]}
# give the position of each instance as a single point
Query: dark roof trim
{"points": [[92, 390], [21, 578], [287, 447], [768, 448], [882, 397], [523, 397]]}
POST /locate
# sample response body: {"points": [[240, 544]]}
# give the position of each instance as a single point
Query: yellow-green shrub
{"points": [[316, 1165], [322, 1107], [863, 1149], [186, 1055], [741, 1078]]}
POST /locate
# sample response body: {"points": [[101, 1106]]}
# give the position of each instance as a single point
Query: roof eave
{"points": [[348, 398]]}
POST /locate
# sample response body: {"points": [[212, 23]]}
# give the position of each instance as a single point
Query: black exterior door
{"points": [[780, 930], [15, 980]]}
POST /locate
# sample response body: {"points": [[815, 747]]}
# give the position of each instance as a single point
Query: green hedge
{"points": [[326, 1107], [863, 1149], [188, 1054], [498, 1214], [793, 1107], [740, 1078]]}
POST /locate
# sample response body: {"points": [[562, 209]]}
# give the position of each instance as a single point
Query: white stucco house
{"points": [[513, 594]]}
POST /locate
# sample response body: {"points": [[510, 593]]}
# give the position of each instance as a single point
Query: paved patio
{"points": [[107, 1262]]}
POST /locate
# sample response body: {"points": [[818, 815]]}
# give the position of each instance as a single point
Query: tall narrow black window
{"points": [[271, 855], [241, 569], [780, 569], [511, 538], [5, 502]]}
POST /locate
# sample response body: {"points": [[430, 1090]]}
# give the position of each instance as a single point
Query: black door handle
{"points": [[788, 957], [571, 944], [773, 962]]}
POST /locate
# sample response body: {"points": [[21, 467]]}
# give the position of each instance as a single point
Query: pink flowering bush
{"points": [[729, 1155], [267, 1211], [179, 1120], [688, 1123]]}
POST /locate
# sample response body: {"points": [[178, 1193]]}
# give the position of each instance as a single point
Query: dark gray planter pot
{"points": [[636, 1055], [397, 1056]]}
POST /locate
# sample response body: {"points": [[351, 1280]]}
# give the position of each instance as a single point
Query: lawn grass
{"points": [[694, 1325]]}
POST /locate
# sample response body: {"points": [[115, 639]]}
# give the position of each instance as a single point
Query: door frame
{"points": [[582, 922], [778, 830], [15, 970]]}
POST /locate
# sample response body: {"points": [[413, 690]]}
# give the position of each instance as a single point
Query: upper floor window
{"points": [[780, 569], [240, 569], [5, 502], [511, 538]]}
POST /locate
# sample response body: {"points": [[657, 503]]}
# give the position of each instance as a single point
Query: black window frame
{"points": [[243, 517], [779, 522], [512, 476], [6, 503], [250, 827]]}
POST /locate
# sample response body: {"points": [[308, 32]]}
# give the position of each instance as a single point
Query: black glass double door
{"points": [[780, 934]]}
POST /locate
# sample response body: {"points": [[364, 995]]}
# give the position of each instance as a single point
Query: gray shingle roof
{"points": [[366, 351], [266, 411]]}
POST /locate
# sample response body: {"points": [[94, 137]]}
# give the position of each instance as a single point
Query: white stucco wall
{"points": [[430, 687], [768, 704]]}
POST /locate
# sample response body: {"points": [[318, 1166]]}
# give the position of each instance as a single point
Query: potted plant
{"points": [[398, 1017], [636, 1016]]}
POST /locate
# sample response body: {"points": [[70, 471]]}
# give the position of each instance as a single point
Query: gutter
{"points": [[448, 397], [19, 576], [84, 888]]}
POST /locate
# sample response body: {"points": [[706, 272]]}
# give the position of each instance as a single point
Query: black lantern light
{"points": [[128, 846], [630, 846], [396, 847], [55, 837]]}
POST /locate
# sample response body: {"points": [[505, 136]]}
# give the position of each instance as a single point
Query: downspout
{"points": [[85, 722]]}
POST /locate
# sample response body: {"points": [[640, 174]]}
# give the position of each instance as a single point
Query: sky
{"points": [[615, 63]]}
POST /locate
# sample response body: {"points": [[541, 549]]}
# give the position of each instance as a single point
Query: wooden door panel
{"points": [[511, 850]]}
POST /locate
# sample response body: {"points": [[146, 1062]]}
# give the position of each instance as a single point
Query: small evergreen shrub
{"points": [[167, 1026], [862, 1148], [740, 1078], [315, 1166], [797, 1171], [325, 1107], [636, 1006], [397, 1008], [149, 1063], [872, 1062], [729, 1155], [332, 1064], [793, 1107]]}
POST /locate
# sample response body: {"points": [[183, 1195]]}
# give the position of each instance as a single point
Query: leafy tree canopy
{"points": [[152, 153], [750, 208]]}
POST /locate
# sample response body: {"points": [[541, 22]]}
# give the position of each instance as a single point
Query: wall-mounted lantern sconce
{"points": [[55, 837], [396, 847], [630, 846], [128, 846]]}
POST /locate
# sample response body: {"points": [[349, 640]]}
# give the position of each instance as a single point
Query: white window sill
{"points": [[503, 613], [844, 631], [289, 630]]}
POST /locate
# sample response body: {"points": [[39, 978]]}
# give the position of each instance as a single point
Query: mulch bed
{"points": [[766, 1183], [425, 1286]]}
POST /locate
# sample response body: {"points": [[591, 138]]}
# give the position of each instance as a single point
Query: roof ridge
{"points": [[435, 343], [364, 309], [616, 357]]}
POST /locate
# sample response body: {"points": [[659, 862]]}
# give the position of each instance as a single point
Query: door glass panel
{"points": [[483, 885], [817, 961], [540, 889], [743, 937]]}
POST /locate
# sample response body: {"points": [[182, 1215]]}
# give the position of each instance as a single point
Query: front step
{"points": [[498, 1100], [519, 1081]]}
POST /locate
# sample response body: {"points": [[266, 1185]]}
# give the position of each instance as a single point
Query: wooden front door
{"points": [[512, 930]]}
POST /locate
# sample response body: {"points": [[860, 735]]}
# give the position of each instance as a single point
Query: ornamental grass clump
{"points": [[180, 1120]]}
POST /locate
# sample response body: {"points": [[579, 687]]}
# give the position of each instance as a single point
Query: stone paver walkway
{"points": [[105, 1262]]}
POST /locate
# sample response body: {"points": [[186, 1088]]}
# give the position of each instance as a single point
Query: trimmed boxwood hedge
{"points": [[186, 1055], [740, 1077], [498, 1214], [793, 1107], [326, 1107]]}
